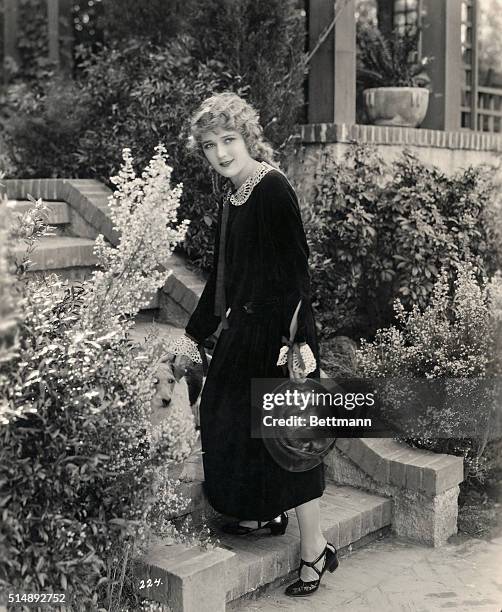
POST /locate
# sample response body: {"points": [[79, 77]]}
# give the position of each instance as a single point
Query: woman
{"points": [[259, 276]]}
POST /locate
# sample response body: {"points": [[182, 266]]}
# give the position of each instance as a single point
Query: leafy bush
{"points": [[149, 20], [379, 232], [80, 484], [52, 122], [32, 40], [456, 338], [341, 229]]}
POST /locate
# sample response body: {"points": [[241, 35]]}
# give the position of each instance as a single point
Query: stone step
{"points": [[153, 304], [71, 257], [58, 212], [191, 487], [60, 252], [72, 275], [187, 575], [348, 515]]}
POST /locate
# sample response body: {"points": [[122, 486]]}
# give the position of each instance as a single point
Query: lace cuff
{"points": [[185, 346], [307, 356]]}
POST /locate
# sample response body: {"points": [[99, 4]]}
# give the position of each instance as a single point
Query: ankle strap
{"points": [[312, 563]]}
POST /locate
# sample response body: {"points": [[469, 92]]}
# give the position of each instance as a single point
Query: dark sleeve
{"points": [[291, 249], [203, 321]]}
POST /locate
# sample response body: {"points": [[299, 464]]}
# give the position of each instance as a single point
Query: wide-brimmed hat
{"points": [[299, 447]]}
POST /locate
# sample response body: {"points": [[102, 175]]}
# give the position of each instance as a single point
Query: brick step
{"points": [[239, 566], [58, 212], [70, 257], [348, 516], [83, 274], [61, 252], [73, 275], [191, 487]]}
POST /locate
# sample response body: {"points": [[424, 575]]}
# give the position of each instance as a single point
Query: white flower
{"points": [[144, 212]]}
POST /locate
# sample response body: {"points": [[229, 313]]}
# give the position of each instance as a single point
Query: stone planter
{"points": [[397, 106]]}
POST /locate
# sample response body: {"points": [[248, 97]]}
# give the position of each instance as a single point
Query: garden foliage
{"points": [[156, 21], [136, 92], [266, 38], [456, 337], [142, 90], [379, 232], [32, 41], [80, 484]]}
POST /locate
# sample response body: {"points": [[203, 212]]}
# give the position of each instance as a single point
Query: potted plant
{"points": [[393, 76]]}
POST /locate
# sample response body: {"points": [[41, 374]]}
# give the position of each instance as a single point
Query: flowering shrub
{"points": [[453, 336], [381, 232], [457, 336], [130, 272], [80, 481], [26, 228], [9, 309]]}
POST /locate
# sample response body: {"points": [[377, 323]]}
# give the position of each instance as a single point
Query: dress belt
{"points": [[258, 306]]}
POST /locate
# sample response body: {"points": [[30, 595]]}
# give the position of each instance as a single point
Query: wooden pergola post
{"points": [[332, 71], [10, 50], [441, 39], [60, 29], [53, 30], [66, 36]]}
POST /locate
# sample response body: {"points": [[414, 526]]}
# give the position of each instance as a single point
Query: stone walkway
{"points": [[394, 576]]}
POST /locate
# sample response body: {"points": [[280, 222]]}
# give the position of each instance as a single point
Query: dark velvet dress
{"points": [[266, 263]]}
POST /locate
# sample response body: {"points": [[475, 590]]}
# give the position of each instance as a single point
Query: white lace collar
{"points": [[242, 194]]}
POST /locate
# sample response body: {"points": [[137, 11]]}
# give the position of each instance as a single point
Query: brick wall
{"points": [[450, 151]]}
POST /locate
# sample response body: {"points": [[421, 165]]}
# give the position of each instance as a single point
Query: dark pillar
{"points": [[385, 16], [53, 30], [66, 39], [332, 71], [11, 53], [441, 39]]}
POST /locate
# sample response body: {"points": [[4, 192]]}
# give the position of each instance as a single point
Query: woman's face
{"points": [[227, 153]]}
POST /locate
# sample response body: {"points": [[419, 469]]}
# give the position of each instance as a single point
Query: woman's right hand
{"points": [[184, 348], [181, 365]]}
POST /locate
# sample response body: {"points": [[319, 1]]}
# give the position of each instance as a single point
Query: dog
{"points": [[179, 380]]}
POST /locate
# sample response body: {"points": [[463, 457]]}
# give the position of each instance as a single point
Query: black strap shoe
{"points": [[277, 526], [301, 588]]}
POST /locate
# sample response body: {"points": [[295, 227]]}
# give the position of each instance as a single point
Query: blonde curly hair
{"points": [[229, 111]]}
